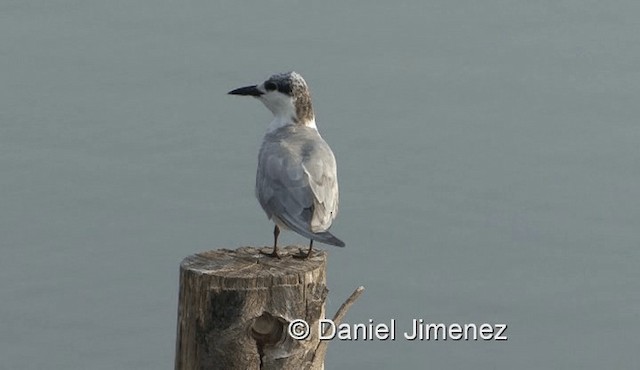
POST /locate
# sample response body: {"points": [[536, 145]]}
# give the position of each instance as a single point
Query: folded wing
{"points": [[297, 183]]}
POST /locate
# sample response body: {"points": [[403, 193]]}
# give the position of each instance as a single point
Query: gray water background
{"points": [[488, 161]]}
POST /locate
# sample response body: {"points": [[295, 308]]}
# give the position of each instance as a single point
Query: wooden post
{"points": [[235, 307]]}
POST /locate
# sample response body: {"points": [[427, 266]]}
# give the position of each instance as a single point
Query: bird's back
{"points": [[296, 181]]}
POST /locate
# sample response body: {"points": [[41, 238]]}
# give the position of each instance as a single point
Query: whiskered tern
{"points": [[296, 181]]}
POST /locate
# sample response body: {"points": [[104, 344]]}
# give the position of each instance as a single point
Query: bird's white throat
{"points": [[284, 111]]}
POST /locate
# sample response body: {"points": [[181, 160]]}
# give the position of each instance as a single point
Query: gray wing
{"points": [[321, 171], [297, 181]]}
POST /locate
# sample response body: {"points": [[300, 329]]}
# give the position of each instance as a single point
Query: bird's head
{"points": [[286, 95]]}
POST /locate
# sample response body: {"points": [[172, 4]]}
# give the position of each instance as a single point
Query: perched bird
{"points": [[296, 181]]}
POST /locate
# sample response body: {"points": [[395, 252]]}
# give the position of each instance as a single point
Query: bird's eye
{"points": [[270, 86]]}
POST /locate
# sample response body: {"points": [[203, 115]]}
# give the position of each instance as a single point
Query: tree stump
{"points": [[235, 307]]}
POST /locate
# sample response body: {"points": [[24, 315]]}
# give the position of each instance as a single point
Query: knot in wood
{"points": [[267, 329]]}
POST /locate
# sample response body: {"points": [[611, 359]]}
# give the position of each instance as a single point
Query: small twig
{"points": [[337, 320], [342, 311]]}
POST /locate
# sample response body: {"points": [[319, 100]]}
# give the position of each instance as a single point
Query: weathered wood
{"points": [[235, 306]]}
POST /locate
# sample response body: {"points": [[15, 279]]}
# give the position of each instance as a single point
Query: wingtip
{"points": [[337, 242], [328, 238]]}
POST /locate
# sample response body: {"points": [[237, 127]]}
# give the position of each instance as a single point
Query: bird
{"points": [[296, 179]]}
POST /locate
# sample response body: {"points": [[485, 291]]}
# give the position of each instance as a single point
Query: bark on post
{"points": [[235, 306]]}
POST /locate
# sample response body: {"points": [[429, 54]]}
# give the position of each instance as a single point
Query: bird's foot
{"points": [[273, 254], [301, 255]]}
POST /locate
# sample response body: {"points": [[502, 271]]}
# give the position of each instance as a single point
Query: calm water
{"points": [[488, 159]]}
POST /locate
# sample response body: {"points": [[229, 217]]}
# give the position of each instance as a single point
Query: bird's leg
{"points": [[276, 232], [310, 249]]}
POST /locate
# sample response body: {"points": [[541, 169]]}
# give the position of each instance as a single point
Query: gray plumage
{"points": [[296, 182]]}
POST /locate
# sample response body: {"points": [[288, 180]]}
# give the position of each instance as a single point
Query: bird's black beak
{"points": [[246, 91]]}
